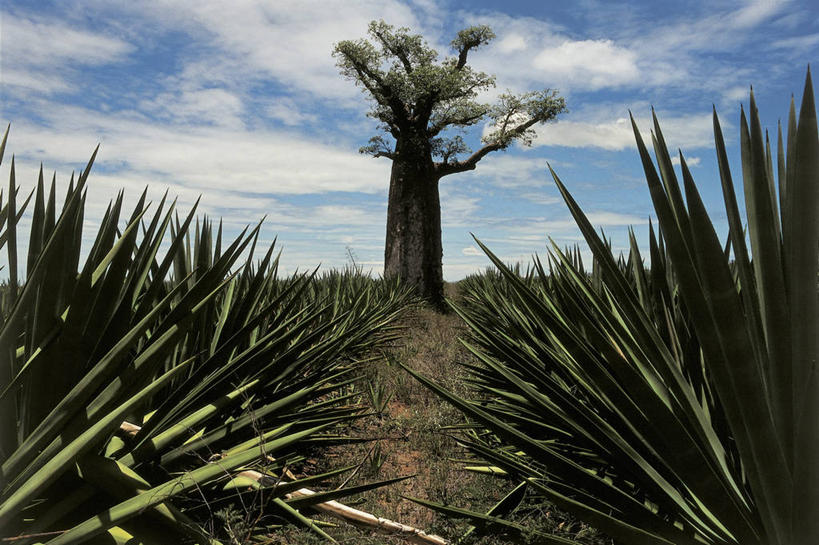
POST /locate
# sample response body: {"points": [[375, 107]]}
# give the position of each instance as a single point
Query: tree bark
{"points": [[413, 248]]}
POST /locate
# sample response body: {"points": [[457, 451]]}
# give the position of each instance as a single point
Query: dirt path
{"points": [[411, 439]]}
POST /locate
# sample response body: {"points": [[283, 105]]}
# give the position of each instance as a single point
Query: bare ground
{"points": [[410, 439]]}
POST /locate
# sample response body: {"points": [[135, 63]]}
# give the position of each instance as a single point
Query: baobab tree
{"points": [[423, 107]]}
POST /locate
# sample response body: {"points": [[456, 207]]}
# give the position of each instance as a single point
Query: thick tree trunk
{"points": [[413, 248]]}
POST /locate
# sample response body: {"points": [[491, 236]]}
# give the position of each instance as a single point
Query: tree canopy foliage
{"points": [[416, 98]]}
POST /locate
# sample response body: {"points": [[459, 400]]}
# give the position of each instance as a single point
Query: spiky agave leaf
{"points": [[676, 404], [213, 364]]}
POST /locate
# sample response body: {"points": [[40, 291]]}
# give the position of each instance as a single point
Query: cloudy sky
{"points": [[242, 103]]}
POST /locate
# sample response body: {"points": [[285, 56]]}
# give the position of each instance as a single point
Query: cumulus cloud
{"points": [[510, 171], [681, 131], [634, 52], [529, 52], [287, 40], [207, 158], [590, 64], [736, 94], [611, 135], [511, 42]]}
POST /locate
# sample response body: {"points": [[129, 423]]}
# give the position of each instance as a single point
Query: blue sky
{"points": [[241, 102]]}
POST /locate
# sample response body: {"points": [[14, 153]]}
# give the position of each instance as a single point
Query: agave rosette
{"points": [[137, 381], [670, 404]]}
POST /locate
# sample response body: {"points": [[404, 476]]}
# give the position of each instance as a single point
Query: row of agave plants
{"points": [[140, 376], [670, 404]]}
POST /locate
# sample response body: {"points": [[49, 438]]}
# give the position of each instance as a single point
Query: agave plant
{"points": [[670, 404], [135, 386]]}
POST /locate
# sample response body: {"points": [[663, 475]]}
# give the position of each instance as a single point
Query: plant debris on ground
{"points": [[414, 434]]}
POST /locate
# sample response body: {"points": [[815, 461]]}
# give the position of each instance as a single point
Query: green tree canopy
{"points": [[416, 97]]}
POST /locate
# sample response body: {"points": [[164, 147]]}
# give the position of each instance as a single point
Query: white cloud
{"points": [[239, 174], [603, 218], [196, 106], [533, 233], [458, 209], [345, 215], [509, 171], [457, 271], [541, 198], [37, 53], [798, 42], [737, 93], [553, 227], [287, 40], [590, 64], [629, 53], [719, 30], [288, 112], [11, 78], [202, 158], [511, 42], [682, 131], [755, 12], [49, 42], [610, 135], [690, 161], [309, 234], [471, 250], [549, 55]]}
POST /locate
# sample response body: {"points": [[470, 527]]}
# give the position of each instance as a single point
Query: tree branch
{"points": [[462, 57], [470, 163], [368, 78], [445, 169], [398, 52], [378, 147], [356, 67], [523, 126], [470, 38], [436, 128]]}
